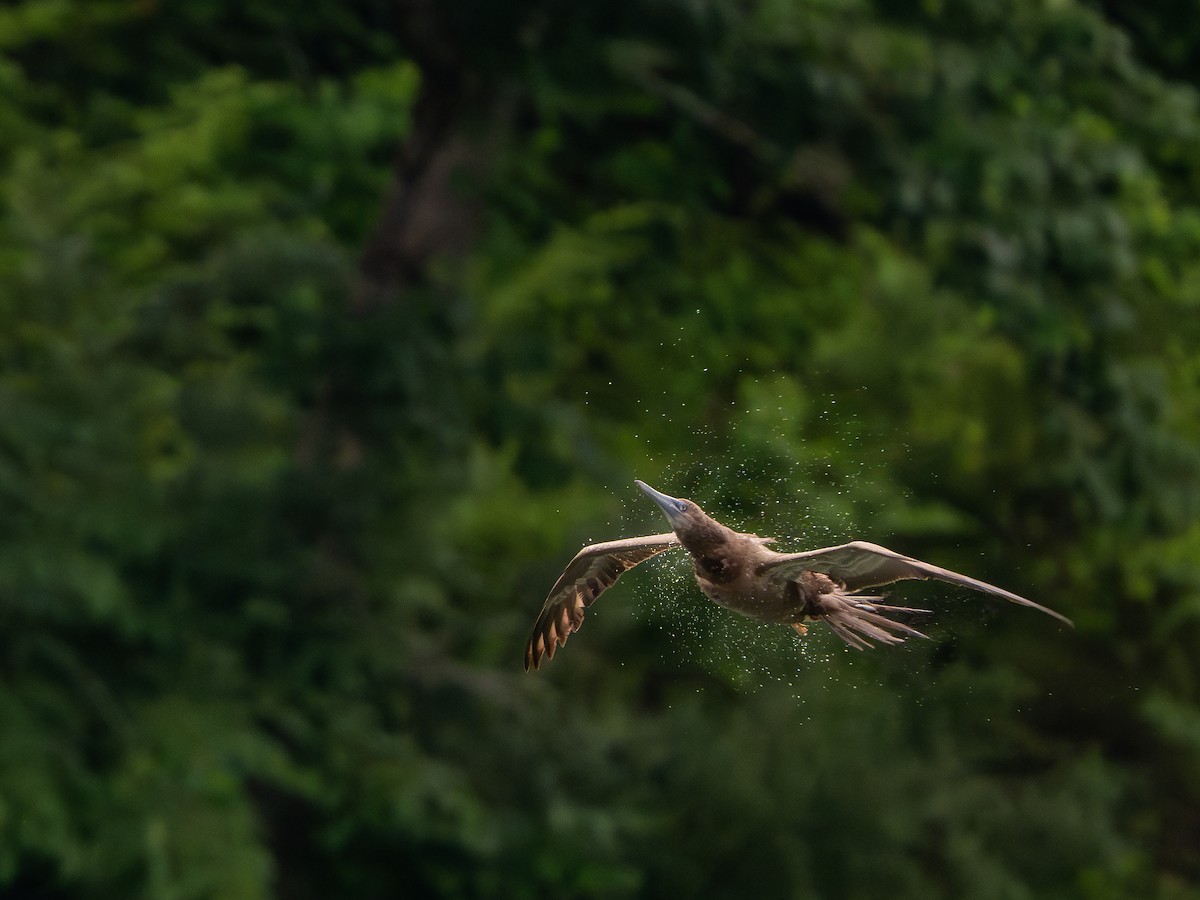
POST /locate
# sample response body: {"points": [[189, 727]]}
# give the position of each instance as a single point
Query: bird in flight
{"points": [[739, 572]]}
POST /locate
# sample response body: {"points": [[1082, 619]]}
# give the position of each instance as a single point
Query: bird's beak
{"points": [[672, 506]]}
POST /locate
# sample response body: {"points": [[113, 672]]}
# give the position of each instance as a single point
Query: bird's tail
{"points": [[859, 620]]}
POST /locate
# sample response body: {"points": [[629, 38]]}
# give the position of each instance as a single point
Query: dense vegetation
{"points": [[327, 335]]}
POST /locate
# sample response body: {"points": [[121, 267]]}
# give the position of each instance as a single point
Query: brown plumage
{"points": [[738, 571]]}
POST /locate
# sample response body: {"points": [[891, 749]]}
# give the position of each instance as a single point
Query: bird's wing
{"points": [[859, 565], [594, 569]]}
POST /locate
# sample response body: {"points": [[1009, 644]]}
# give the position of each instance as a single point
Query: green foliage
{"points": [[917, 272]]}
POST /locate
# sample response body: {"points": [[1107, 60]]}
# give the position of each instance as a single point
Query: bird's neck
{"points": [[719, 553]]}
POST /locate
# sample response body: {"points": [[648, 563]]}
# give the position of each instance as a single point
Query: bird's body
{"points": [[741, 573], [732, 573]]}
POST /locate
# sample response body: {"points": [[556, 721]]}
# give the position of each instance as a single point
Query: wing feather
{"points": [[594, 569], [860, 565]]}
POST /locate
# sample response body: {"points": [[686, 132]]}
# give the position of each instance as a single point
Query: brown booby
{"points": [[738, 571]]}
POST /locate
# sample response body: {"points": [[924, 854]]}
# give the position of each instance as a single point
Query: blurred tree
{"points": [[277, 396]]}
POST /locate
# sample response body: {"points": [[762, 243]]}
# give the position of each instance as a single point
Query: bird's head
{"points": [[692, 525]]}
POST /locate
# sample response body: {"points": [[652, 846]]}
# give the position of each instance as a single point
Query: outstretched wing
{"points": [[859, 565], [594, 569]]}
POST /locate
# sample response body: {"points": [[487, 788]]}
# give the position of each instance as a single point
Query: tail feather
{"points": [[859, 620]]}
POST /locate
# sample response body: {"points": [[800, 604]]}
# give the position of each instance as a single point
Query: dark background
{"points": [[329, 331]]}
